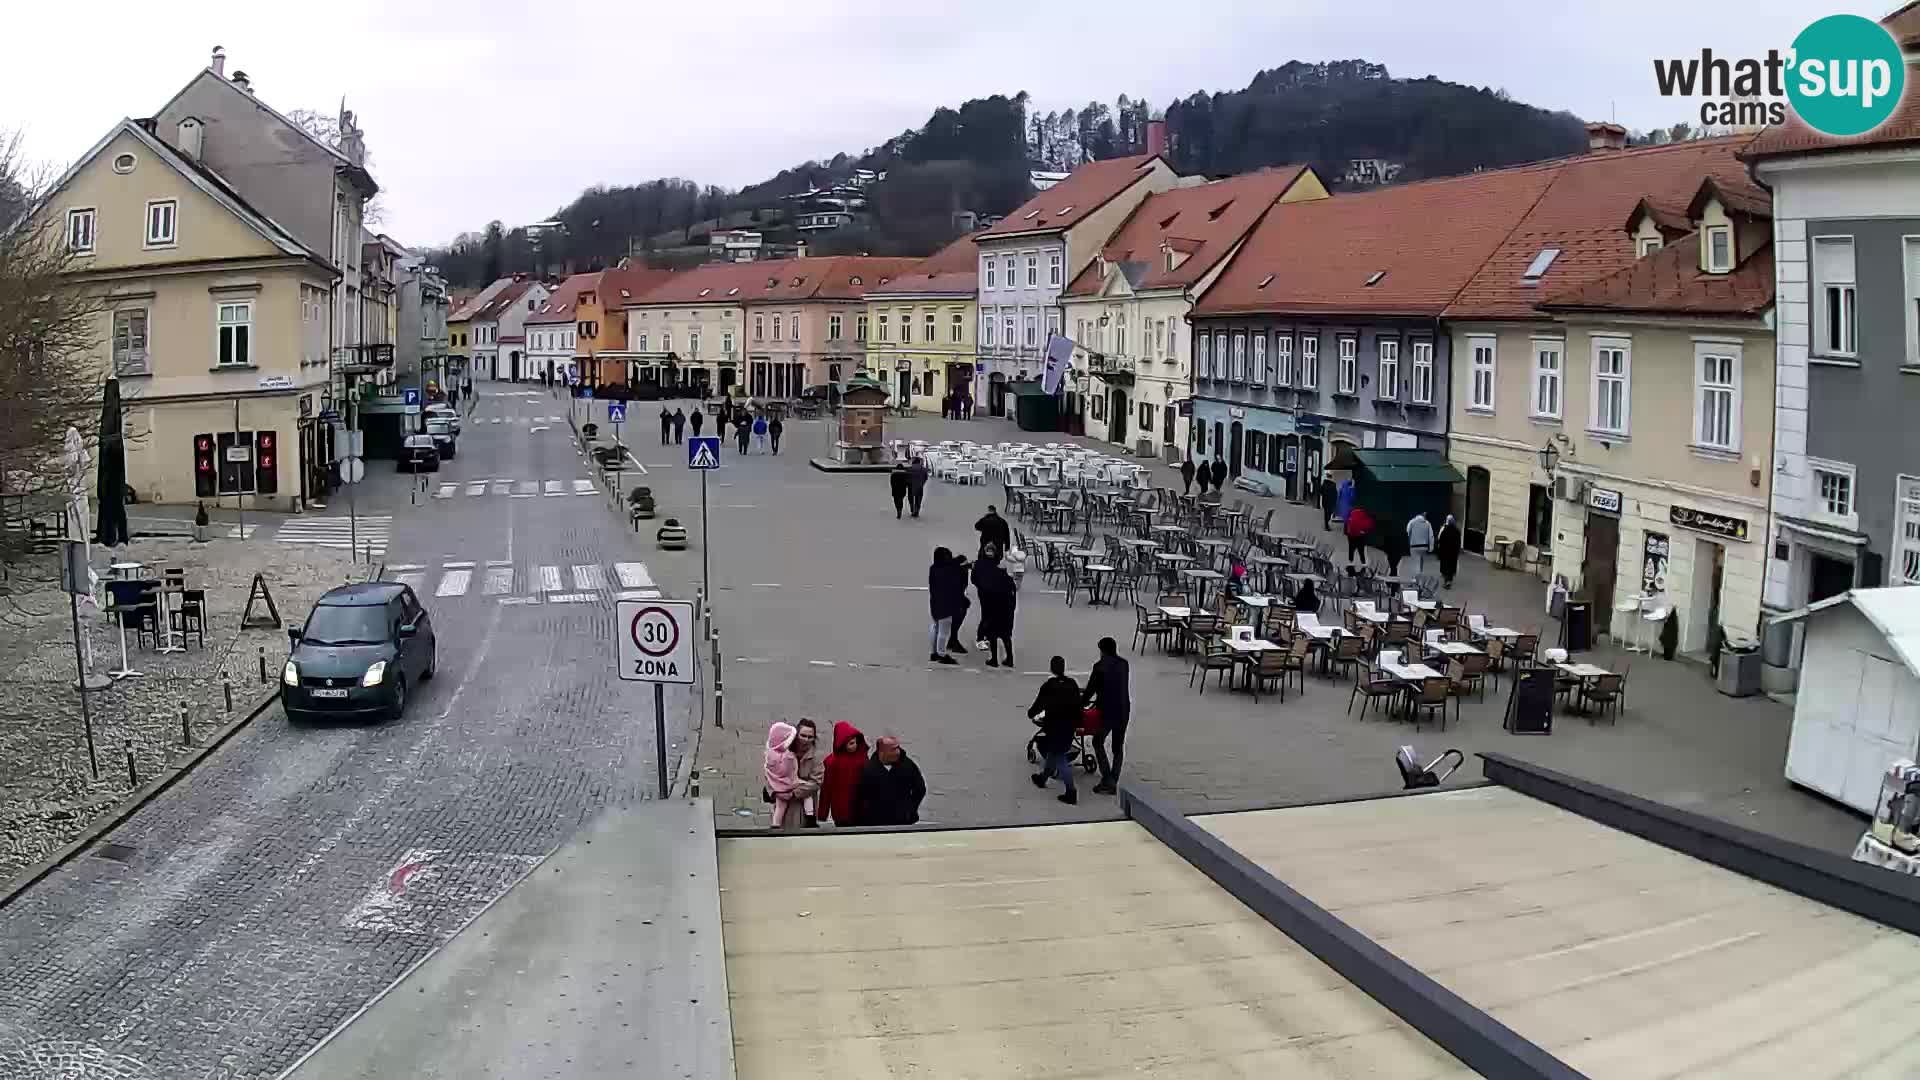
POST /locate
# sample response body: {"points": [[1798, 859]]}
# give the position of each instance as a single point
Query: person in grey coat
{"points": [[1419, 541], [916, 484]]}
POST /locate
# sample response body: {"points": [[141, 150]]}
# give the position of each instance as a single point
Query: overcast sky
{"points": [[486, 109]]}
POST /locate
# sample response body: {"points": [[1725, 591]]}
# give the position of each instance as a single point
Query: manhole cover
{"points": [[120, 853]]}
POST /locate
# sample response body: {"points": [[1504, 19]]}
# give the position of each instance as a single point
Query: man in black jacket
{"points": [[898, 481], [1329, 500], [916, 485], [891, 787], [1109, 687], [1186, 477], [1057, 708], [1219, 476], [666, 427], [993, 529]]}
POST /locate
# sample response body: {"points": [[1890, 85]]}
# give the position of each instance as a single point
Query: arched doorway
{"points": [[1117, 413], [1235, 450], [1479, 483]]}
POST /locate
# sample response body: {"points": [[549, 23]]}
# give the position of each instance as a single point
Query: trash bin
{"points": [[1777, 673], [1576, 626], [1739, 666]]}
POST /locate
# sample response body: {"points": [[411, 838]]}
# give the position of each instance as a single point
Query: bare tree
{"points": [[50, 326], [327, 130]]}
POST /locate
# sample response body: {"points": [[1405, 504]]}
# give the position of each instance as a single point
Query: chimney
{"points": [[191, 134], [219, 64], [1156, 136], [240, 80], [1602, 135]]}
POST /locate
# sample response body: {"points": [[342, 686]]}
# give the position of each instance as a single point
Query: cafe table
{"points": [[1585, 673], [1455, 648], [1268, 565], [1098, 573], [1203, 579], [1178, 615]]}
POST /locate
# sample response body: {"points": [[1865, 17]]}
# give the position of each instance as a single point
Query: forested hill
{"points": [[1350, 119]]}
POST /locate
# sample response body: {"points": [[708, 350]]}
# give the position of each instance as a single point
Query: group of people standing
{"points": [[1417, 539], [956, 407], [850, 787], [1210, 474], [749, 428], [947, 604]]}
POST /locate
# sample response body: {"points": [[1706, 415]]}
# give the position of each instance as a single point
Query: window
{"points": [[1120, 337], [759, 328], [1006, 267], [1033, 330], [1256, 452], [794, 321], [1719, 249], [236, 328], [886, 328], [1006, 324], [1053, 268], [1310, 361], [1033, 269], [639, 343], [957, 330], [666, 341], [1222, 362], [1349, 365], [1283, 359], [1146, 418], [986, 330], [1480, 393], [1612, 395], [931, 326], [988, 264], [693, 344], [1716, 397], [1203, 357], [1833, 492], [161, 214], [1648, 245], [776, 328], [1387, 382], [1833, 285], [860, 328], [80, 231], [1160, 342], [833, 327], [1548, 358], [1537, 269], [906, 327], [1240, 356], [1053, 323], [726, 342], [1423, 372], [124, 163], [130, 341], [1906, 533], [1260, 359]]}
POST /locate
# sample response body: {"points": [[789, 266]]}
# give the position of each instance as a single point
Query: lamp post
{"points": [[1549, 458]]}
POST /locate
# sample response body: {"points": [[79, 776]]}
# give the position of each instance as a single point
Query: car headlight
{"points": [[290, 675], [374, 674]]}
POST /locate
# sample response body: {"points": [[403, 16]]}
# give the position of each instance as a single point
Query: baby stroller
{"points": [[1082, 747]]}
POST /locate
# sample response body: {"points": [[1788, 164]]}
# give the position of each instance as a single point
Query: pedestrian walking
{"points": [[916, 484], [1419, 541], [899, 481], [1203, 476], [666, 426], [946, 602], [841, 782], [775, 428], [1392, 541], [1446, 548], [994, 531], [999, 594], [1329, 501], [760, 433], [696, 420], [1219, 476], [680, 427], [1186, 477], [1359, 524], [782, 772], [1110, 688], [1056, 708], [966, 406], [742, 428], [891, 787]]}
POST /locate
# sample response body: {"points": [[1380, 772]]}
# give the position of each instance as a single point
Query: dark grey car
{"points": [[361, 651]]}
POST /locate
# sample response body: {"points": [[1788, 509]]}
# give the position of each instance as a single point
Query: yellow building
{"points": [[215, 318], [919, 327]]}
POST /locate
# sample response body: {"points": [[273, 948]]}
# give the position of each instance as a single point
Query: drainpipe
{"points": [[1773, 450]]}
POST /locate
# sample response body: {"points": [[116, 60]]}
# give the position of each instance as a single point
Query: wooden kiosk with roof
{"points": [[862, 443]]}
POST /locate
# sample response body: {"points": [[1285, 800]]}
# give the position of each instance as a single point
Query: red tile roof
{"points": [[1795, 137], [1427, 238], [835, 277], [1904, 24], [623, 286], [1068, 202], [560, 304], [504, 299], [1204, 221], [1670, 282], [477, 299], [953, 269], [1581, 214]]}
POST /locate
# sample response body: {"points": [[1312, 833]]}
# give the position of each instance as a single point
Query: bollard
{"points": [[719, 685], [186, 729], [133, 771], [261, 652], [226, 687], [699, 603]]}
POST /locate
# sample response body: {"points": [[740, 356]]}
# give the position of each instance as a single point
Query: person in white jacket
{"points": [[1419, 541]]}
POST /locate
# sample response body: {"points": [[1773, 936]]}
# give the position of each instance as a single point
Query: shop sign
{"points": [[1653, 570], [1186, 406], [903, 365], [1732, 528], [1604, 499], [276, 382], [1235, 412], [306, 406]]}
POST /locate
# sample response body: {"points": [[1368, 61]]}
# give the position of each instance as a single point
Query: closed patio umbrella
{"points": [[111, 528]]}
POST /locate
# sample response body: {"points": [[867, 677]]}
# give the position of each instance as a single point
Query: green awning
{"points": [[1405, 467]]}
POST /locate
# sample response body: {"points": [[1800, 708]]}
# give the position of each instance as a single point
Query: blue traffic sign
{"points": [[410, 396], [587, 392], [703, 452], [616, 412]]}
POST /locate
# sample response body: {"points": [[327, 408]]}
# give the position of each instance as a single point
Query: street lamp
{"points": [[1549, 457]]}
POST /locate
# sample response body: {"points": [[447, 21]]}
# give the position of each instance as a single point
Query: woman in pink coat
{"points": [[783, 773]]}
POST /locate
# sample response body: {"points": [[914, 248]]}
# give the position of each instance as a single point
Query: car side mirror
{"points": [[294, 634]]}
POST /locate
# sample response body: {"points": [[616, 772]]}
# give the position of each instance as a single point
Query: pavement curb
{"points": [[127, 807]]}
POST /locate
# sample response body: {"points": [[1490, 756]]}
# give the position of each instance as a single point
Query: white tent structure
{"points": [[1859, 702]]}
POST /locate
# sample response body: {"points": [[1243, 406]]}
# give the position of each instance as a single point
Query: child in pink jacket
{"points": [[783, 771]]}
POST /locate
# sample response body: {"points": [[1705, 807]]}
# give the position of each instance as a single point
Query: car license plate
{"points": [[337, 693]]}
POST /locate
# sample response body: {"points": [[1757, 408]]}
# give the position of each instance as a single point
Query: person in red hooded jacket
{"points": [[1359, 525], [837, 791]]}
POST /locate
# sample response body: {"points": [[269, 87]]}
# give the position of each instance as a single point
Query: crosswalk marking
{"points": [[476, 487], [588, 576], [639, 594], [499, 580], [465, 565], [371, 533], [454, 583], [501, 487], [553, 488], [572, 598], [584, 486], [549, 579], [513, 600], [445, 491], [633, 575]]}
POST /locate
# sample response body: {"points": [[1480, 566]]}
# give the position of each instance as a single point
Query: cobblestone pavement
{"points": [[246, 912], [821, 605], [47, 791]]}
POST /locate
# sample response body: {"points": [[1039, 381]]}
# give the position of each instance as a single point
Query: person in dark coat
{"points": [[742, 430], [1186, 477], [774, 429], [1446, 548], [998, 595], [946, 603], [680, 427], [1109, 686], [1329, 500], [1203, 476], [1391, 537], [1219, 475], [994, 531], [666, 426], [698, 418], [1306, 599], [1057, 710], [891, 787], [916, 484], [899, 481]]}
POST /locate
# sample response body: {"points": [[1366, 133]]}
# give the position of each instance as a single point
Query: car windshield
{"points": [[344, 624], [439, 427]]}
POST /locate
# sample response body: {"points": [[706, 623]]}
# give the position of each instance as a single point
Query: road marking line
{"points": [[467, 565], [739, 506], [763, 585], [541, 427], [397, 567], [526, 487], [412, 581], [509, 600], [633, 575], [499, 562], [900, 588], [476, 487], [639, 594], [549, 579], [553, 488], [821, 663], [499, 580], [588, 576], [572, 598], [445, 491], [454, 583]]}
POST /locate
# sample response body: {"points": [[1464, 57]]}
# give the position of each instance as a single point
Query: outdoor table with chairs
{"points": [[1203, 580], [1097, 575], [1269, 566], [1593, 684]]}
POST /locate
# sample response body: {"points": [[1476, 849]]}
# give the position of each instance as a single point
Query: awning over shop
{"points": [[1396, 484]]}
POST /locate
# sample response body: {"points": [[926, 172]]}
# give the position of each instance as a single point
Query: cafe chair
{"points": [[1295, 659], [190, 615], [1212, 655], [1606, 692], [1369, 684], [1269, 667], [1346, 653], [1150, 625], [1430, 699]]}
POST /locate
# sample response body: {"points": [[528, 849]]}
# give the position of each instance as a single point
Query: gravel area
{"points": [[47, 791]]}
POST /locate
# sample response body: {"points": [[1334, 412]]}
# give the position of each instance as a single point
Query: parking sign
{"points": [[410, 396], [656, 640]]}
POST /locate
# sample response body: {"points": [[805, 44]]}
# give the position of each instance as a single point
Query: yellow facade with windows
{"points": [[922, 345]]}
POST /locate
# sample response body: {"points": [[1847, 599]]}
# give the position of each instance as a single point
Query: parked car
{"points": [[362, 648], [418, 454], [442, 411], [441, 433]]}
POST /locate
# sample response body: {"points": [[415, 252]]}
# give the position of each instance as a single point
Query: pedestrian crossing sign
{"points": [[616, 413], [703, 452]]}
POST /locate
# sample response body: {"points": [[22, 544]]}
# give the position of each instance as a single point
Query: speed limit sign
{"points": [[655, 640]]}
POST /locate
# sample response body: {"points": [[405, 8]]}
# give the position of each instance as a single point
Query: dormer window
{"points": [[1374, 278], [735, 291], [1214, 214], [1265, 281], [773, 283], [1537, 269], [855, 279], [704, 292], [797, 281], [1066, 210], [1719, 242], [1030, 215], [1648, 245]]}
